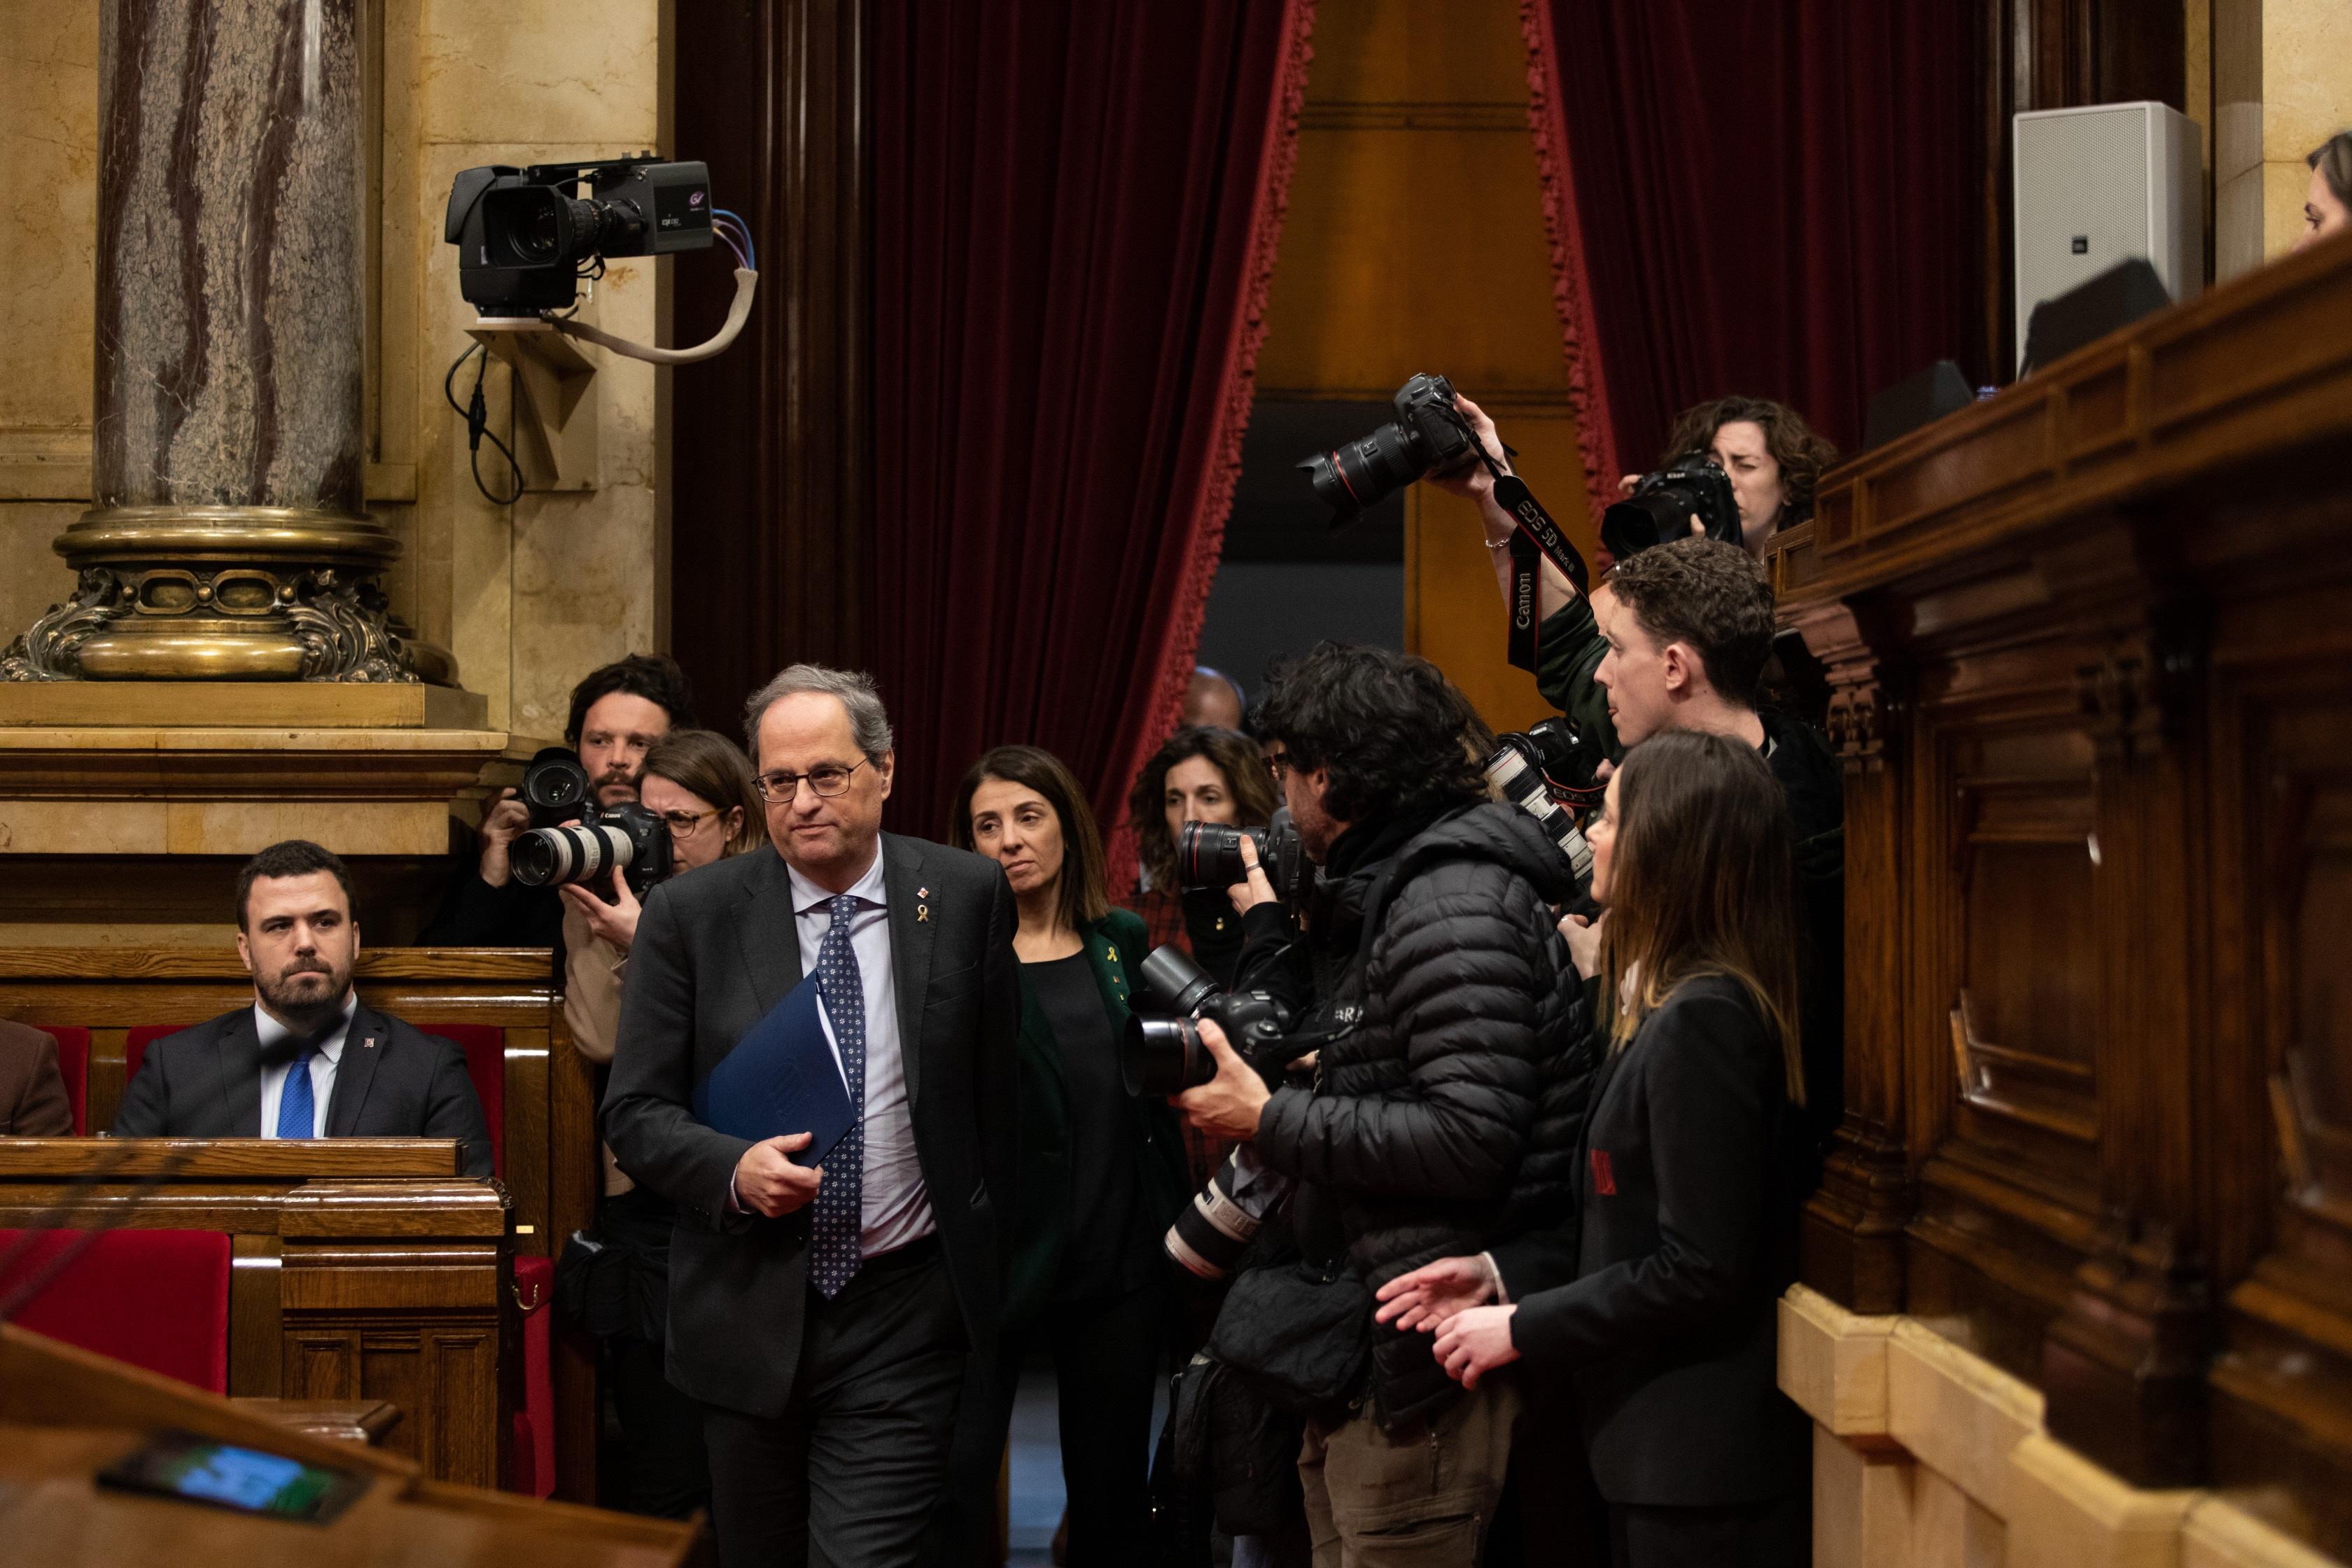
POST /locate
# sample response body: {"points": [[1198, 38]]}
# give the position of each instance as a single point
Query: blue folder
{"points": [[781, 1079]]}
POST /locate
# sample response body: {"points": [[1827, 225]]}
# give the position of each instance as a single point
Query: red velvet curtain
{"points": [[1779, 200], [1076, 210]]}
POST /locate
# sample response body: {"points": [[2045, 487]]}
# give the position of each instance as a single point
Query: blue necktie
{"points": [[840, 1202], [298, 1106]]}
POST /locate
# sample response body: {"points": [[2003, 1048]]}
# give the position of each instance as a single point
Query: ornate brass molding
{"points": [[224, 593]]}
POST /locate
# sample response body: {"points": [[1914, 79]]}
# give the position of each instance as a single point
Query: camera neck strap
{"points": [[1535, 539]]}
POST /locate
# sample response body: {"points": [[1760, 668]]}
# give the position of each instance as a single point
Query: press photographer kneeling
{"points": [[1425, 1132]]}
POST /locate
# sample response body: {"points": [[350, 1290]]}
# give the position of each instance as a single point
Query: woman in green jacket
{"points": [[1101, 1171]]}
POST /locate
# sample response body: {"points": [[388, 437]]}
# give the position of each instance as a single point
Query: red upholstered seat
{"points": [[73, 1061], [135, 1044], [156, 1299], [485, 1045], [534, 1445]]}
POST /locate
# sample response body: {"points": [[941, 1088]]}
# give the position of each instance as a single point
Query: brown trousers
{"points": [[1419, 1496]]}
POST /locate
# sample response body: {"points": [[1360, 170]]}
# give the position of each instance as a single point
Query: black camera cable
{"points": [[476, 415]]}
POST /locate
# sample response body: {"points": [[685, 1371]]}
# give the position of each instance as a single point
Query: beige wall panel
{"points": [[48, 136], [541, 70]]}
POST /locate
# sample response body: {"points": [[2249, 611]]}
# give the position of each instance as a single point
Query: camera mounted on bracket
{"points": [[526, 237]]}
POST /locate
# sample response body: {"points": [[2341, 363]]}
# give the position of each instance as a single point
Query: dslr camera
{"points": [[1164, 1056], [573, 840], [525, 237], [1662, 505], [1543, 770], [1209, 854], [1428, 434]]}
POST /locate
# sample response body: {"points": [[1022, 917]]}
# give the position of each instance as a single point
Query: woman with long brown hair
{"points": [[1203, 774], [1099, 1177], [1659, 1306]]}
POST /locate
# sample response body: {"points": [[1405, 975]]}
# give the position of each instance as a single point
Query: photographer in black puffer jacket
{"points": [[1445, 1106]]}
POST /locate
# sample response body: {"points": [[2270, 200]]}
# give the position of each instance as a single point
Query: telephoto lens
{"points": [[1514, 774], [1428, 433], [627, 840], [1213, 1231], [1209, 854], [1175, 981], [569, 852]]}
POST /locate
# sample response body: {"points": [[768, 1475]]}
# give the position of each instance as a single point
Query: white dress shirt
{"points": [[895, 1208], [322, 1067]]}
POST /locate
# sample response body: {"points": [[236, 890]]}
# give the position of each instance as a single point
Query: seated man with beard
{"points": [[306, 1060]]}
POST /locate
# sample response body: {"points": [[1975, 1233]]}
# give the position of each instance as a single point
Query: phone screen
{"points": [[198, 1470]]}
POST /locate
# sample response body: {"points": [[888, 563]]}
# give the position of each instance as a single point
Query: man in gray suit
{"points": [[308, 1058], [823, 1316]]}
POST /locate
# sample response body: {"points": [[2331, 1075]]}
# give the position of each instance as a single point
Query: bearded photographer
{"points": [[1427, 1125], [619, 714]]}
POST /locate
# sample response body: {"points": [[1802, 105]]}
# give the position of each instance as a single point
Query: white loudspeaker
{"points": [[2095, 187]]}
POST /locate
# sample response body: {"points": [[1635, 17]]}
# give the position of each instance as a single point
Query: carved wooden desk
{"points": [[2090, 645], [364, 1268]]}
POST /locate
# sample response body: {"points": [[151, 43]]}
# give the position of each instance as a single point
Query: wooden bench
{"points": [[361, 1268], [549, 1164]]}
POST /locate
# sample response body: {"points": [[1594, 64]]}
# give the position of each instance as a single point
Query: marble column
{"points": [[228, 536]]}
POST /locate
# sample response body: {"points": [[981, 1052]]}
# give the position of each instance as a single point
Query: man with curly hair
{"points": [[1440, 1118]]}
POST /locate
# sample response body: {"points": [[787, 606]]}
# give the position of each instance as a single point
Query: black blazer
{"points": [[1692, 1177], [714, 952], [390, 1081]]}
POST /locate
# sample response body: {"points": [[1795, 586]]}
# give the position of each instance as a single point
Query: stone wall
{"points": [[528, 596]]}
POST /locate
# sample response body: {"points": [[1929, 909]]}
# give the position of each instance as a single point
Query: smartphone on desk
{"points": [[244, 1480]]}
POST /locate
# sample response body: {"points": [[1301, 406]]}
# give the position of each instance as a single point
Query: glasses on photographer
{"points": [[683, 824], [825, 780], [1277, 764]]}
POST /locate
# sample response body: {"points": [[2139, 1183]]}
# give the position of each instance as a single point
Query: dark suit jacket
{"points": [[32, 1101], [1692, 1178], [714, 952], [391, 1081]]}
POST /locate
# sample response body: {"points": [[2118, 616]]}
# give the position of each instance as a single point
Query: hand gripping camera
{"points": [[1209, 854], [1534, 769], [573, 840], [1662, 505], [1164, 1056]]}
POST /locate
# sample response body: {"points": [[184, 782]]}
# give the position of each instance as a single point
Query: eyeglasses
{"points": [[826, 780], [1278, 764], [683, 824]]}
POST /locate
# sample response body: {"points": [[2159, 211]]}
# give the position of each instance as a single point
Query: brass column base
{"points": [[169, 592]]}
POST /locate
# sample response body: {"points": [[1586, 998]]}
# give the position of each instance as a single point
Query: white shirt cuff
{"points": [[1495, 1277]]}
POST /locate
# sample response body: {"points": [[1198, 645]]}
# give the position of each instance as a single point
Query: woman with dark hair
{"points": [[1659, 1306], [699, 784], [1100, 1171], [1773, 459], [2328, 200], [1202, 774]]}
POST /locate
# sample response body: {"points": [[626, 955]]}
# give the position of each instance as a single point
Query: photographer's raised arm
{"points": [[1475, 482]]}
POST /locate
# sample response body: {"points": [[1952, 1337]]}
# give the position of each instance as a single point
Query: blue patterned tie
{"points": [[298, 1106], [840, 1201]]}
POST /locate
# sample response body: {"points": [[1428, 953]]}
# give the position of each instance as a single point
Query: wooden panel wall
{"points": [[1414, 242], [2091, 650]]}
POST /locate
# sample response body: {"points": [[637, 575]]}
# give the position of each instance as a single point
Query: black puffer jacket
{"points": [[1448, 1117]]}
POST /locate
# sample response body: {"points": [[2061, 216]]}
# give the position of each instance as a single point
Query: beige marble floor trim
{"points": [[1927, 1455]]}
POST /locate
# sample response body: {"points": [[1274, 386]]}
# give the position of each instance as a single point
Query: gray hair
{"points": [[869, 725]]}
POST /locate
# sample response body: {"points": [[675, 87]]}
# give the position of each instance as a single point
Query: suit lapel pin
{"points": [[1112, 953], [922, 913], [368, 1043]]}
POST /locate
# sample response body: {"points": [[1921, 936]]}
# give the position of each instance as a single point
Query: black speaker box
{"points": [[2091, 310]]}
